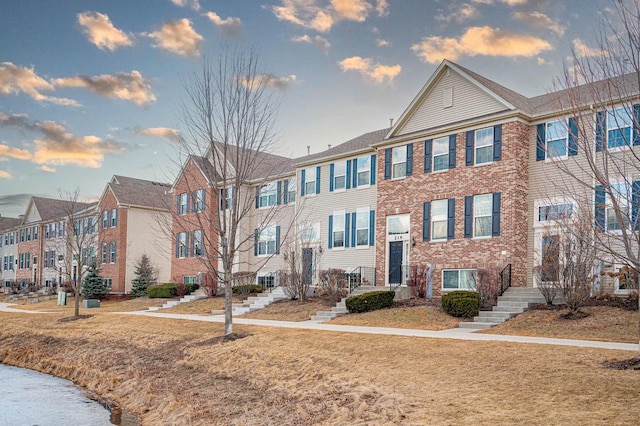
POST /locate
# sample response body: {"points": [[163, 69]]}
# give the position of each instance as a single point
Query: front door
{"points": [[307, 266], [395, 262]]}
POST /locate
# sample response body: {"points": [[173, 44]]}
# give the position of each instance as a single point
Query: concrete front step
{"points": [[513, 302], [476, 325], [511, 309]]}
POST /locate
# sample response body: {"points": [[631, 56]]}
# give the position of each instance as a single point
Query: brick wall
{"points": [[116, 271], [507, 176]]}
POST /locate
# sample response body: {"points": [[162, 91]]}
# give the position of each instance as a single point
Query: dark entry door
{"points": [[307, 266], [395, 262]]}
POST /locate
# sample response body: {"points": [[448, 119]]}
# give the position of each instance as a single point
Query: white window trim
{"points": [[476, 146], [316, 230], [616, 283], [447, 290], [182, 242], [339, 213], [310, 172], [629, 143], [490, 215], [343, 189], [268, 188], [393, 162], [366, 211], [433, 154], [550, 201], [431, 221], [628, 183], [293, 182], [368, 170], [548, 159], [266, 253]]}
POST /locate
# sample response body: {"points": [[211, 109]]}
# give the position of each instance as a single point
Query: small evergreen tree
{"points": [[93, 284], [145, 277]]}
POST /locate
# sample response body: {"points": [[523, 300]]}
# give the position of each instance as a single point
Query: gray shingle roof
{"points": [[353, 145], [266, 164], [9, 222], [56, 208], [139, 192]]}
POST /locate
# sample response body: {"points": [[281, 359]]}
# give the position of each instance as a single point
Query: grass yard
{"points": [[604, 323], [181, 372], [292, 310], [416, 317], [138, 304]]}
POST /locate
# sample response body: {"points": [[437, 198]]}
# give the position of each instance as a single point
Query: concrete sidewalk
{"points": [[454, 333], [5, 307]]}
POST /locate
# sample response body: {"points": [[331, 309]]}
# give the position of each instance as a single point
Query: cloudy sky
{"points": [[89, 89]]}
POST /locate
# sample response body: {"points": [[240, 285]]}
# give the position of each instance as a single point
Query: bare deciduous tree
{"points": [[600, 98], [230, 116], [80, 240]]}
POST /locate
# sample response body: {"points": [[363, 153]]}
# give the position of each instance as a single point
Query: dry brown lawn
{"points": [[416, 317], [138, 304], [198, 307], [179, 372], [603, 323], [291, 310]]}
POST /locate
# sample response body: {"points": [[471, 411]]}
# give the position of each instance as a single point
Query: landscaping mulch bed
{"points": [[625, 364], [79, 317]]}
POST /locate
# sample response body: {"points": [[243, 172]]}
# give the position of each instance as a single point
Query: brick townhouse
{"points": [[8, 251]]}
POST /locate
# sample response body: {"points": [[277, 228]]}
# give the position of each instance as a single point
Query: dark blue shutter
{"points": [[573, 137], [279, 192], [373, 169], [353, 229], [451, 219], [177, 247], [177, 206], [635, 204], [277, 239], [204, 200], [355, 174], [409, 159], [302, 173], [258, 196], [495, 223], [452, 151], [256, 238], [347, 222], [601, 130], [497, 142], [468, 148], [541, 142], [331, 175], [372, 226], [426, 221], [468, 216], [348, 174], [636, 124], [599, 207], [318, 180], [427, 155], [186, 244], [192, 245], [330, 231], [285, 195], [387, 163]]}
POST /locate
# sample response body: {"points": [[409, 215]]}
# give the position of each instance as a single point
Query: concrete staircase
{"points": [[257, 302], [514, 301], [198, 294], [341, 307]]}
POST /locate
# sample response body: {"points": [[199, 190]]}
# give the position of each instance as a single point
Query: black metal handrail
{"points": [[403, 274], [505, 279], [359, 276]]}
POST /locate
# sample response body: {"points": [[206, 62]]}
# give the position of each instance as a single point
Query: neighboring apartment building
{"points": [[8, 251], [335, 217], [133, 219]]}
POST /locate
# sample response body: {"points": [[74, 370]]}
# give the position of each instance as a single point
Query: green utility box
{"points": [[90, 303]]}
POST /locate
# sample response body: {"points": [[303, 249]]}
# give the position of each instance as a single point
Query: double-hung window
{"points": [[114, 217], [364, 170], [105, 253], [182, 251], [310, 233], [482, 215], [484, 145], [226, 197], [267, 241], [338, 229], [113, 252], [339, 175], [184, 204], [556, 139], [440, 153], [399, 162], [199, 200], [619, 127], [555, 212], [197, 243], [458, 279], [620, 196], [439, 219], [105, 219], [362, 228], [310, 181], [268, 195], [291, 190], [550, 265]]}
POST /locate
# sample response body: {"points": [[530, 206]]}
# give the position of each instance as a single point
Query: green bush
{"points": [[190, 288], [461, 303], [246, 289], [163, 291], [370, 301]]}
